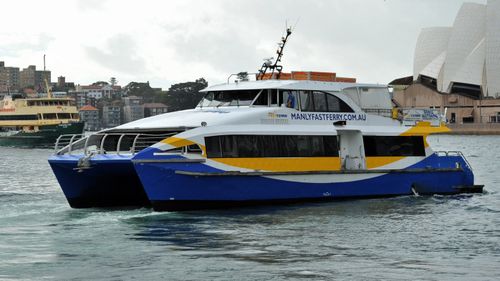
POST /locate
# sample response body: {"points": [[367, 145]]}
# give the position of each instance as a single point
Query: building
{"points": [[457, 70], [90, 115], [30, 77], [132, 109], [9, 78], [463, 58], [152, 109], [99, 91], [81, 99], [62, 85], [111, 115]]}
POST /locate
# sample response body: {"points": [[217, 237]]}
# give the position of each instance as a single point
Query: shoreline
{"points": [[474, 129]]}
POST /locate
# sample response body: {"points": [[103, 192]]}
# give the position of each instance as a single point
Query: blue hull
{"points": [[169, 190], [110, 181]]}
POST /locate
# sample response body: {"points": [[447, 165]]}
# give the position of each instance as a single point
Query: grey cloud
{"points": [[228, 51], [362, 36], [121, 55], [14, 49]]}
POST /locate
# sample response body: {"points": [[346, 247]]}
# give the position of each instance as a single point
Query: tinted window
{"points": [[213, 147], [229, 146], [19, 117], [271, 146], [333, 103], [319, 101], [247, 146], [289, 99], [261, 99], [306, 101], [393, 146], [229, 98], [322, 102], [337, 105]]}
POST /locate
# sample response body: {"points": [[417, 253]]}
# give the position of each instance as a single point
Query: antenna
{"points": [[49, 93], [268, 62]]}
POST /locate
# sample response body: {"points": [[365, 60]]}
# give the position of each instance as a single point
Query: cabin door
{"points": [[351, 150]]}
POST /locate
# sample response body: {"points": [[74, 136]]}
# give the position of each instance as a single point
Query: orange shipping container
{"points": [[345, 79], [300, 75], [322, 76]]}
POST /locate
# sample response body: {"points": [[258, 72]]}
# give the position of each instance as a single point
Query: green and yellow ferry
{"points": [[37, 121]]}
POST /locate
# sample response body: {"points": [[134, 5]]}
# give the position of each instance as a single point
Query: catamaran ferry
{"points": [[265, 141], [285, 137]]}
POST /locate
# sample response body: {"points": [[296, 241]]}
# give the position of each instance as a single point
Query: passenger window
{"points": [[319, 102], [229, 146], [245, 146], [213, 147], [337, 105], [333, 103], [394, 146], [317, 148], [262, 98], [306, 101], [289, 99]]}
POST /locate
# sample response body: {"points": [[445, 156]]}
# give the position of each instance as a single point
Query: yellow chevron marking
{"points": [[424, 129], [177, 142], [180, 142]]}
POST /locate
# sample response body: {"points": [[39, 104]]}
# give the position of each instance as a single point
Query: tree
{"points": [[140, 89], [100, 83], [185, 95]]}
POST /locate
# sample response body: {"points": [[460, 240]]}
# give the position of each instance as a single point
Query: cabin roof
{"points": [[289, 85]]}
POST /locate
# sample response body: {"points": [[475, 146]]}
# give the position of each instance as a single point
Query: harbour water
{"points": [[404, 238]]}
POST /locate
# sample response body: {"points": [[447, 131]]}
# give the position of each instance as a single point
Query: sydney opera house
{"points": [[458, 67]]}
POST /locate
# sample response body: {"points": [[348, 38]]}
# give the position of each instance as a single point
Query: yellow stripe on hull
{"points": [[301, 164], [284, 164], [377, 162]]}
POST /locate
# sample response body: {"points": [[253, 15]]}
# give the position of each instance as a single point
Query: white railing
{"points": [[454, 153], [105, 143]]}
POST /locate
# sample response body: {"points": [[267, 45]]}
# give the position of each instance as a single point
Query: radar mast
{"points": [[269, 65]]}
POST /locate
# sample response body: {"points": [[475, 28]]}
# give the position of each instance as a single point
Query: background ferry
{"points": [[37, 122]]}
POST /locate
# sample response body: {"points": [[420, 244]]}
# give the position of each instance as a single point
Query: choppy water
{"points": [[406, 238]]}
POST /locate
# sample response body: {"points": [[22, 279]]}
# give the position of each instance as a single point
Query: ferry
{"points": [[264, 141], [37, 121], [278, 138]]}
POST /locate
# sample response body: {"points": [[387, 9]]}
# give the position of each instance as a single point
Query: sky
{"points": [[167, 42]]}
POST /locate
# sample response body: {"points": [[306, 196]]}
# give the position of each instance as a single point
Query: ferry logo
{"points": [[273, 115]]}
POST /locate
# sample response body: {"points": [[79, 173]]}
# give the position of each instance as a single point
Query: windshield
{"points": [[229, 98]]}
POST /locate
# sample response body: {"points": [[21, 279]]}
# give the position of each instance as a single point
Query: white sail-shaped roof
{"points": [[431, 43], [466, 35], [493, 48], [466, 53]]}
